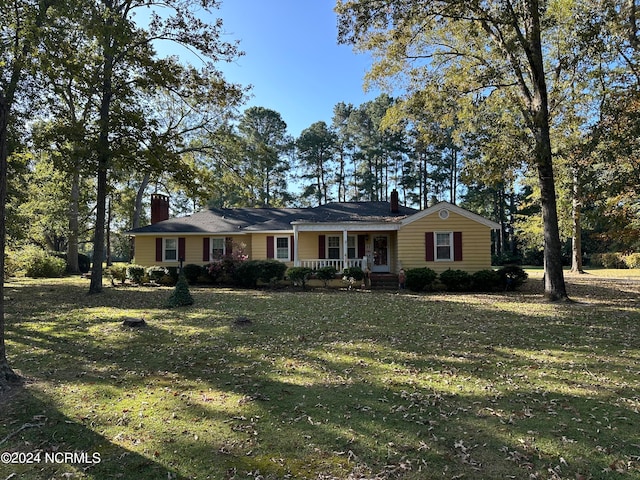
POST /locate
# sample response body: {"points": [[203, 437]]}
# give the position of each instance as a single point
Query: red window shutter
{"points": [[206, 249], [158, 249], [228, 246], [457, 246], [322, 246], [291, 249], [429, 246], [362, 239], [181, 248], [270, 248]]}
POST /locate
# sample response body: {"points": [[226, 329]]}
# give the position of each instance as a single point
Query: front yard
{"points": [[323, 384]]}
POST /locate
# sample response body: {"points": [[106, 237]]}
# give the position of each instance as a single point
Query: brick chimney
{"points": [[395, 201], [159, 208]]}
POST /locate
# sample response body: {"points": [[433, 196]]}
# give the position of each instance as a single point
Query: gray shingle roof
{"points": [[236, 220]]}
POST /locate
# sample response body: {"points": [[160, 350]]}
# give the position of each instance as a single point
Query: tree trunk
{"points": [[576, 244], [7, 375], [137, 212], [512, 221], [104, 156], [554, 286], [72, 247], [108, 234]]}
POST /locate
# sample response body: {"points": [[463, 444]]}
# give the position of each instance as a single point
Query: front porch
{"points": [[373, 248], [339, 264]]}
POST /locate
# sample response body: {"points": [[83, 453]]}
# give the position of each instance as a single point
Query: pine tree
{"points": [[181, 296]]}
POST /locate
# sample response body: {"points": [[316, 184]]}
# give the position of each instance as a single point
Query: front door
{"points": [[380, 253]]}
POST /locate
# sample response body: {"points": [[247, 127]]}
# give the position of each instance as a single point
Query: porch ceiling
{"points": [[351, 227]]}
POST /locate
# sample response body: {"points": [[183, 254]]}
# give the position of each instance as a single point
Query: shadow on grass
{"points": [[407, 387], [32, 425]]}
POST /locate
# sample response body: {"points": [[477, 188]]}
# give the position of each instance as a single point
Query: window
{"points": [[170, 249], [282, 248], [351, 247], [333, 247], [217, 248], [444, 246]]}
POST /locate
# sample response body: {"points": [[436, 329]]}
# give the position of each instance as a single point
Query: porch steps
{"points": [[384, 281]]}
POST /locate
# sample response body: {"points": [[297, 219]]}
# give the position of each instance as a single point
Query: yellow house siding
{"points": [[145, 251], [259, 246], [476, 243], [308, 245], [145, 248]]}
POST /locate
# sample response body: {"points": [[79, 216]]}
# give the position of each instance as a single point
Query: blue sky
{"points": [[292, 59]]}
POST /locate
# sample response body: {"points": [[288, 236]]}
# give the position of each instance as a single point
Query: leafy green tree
{"points": [[267, 142], [379, 150], [21, 22], [477, 48], [316, 151], [341, 126], [126, 63]]}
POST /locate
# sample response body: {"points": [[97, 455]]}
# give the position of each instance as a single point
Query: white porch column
{"points": [[345, 249], [296, 260]]}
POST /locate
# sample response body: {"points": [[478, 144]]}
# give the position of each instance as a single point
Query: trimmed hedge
{"points": [[248, 273], [419, 279], [299, 275], [509, 277], [485, 280], [326, 274], [456, 280], [136, 273]]}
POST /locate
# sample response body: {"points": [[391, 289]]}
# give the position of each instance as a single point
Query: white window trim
{"points": [[435, 247], [224, 247], [275, 249], [341, 254], [355, 246], [164, 249], [339, 247]]}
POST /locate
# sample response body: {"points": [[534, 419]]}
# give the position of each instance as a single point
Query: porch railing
{"points": [[338, 264]]}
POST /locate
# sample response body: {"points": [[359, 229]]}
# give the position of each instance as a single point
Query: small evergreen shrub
{"points": [[485, 280], [192, 272], [326, 274], [181, 296], [299, 275], [512, 277], [456, 280], [117, 273], [353, 272], [136, 273], [419, 279]]}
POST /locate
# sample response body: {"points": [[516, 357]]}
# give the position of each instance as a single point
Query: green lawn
{"points": [[325, 384]]}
